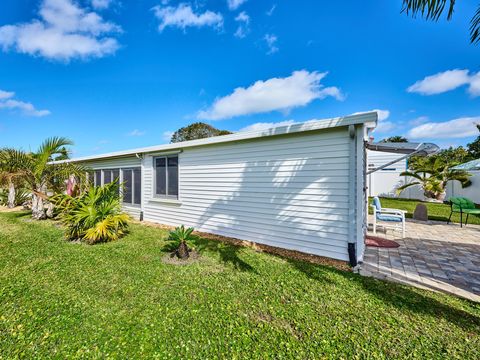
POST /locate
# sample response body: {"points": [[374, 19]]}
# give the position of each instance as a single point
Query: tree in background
{"points": [[474, 147], [433, 9], [395, 139], [452, 156], [198, 130], [10, 175], [432, 174], [41, 176]]}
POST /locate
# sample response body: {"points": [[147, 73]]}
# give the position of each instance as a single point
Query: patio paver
{"points": [[433, 255]]}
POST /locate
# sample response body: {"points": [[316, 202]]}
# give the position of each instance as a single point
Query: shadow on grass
{"points": [[312, 271], [229, 254], [399, 296], [403, 297]]}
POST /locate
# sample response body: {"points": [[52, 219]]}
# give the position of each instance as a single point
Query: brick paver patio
{"points": [[433, 255]]}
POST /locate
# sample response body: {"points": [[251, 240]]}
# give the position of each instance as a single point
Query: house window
{"points": [[111, 175], [132, 186], [166, 176], [98, 177]]}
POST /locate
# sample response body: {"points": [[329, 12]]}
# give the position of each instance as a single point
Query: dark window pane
{"points": [[91, 178], [107, 177], [98, 178], [173, 176], [127, 186], [115, 174], [137, 186], [160, 177]]}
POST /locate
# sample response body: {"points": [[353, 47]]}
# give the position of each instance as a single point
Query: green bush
{"points": [[180, 239], [94, 216]]}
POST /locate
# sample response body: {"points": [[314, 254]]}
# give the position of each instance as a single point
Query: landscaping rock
{"points": [[420, 213]]}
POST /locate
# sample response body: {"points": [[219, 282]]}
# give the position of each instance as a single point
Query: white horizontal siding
{"points": [[289, 192], [118, 163]]}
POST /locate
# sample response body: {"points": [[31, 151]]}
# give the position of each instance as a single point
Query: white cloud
{"points": [[282, 94], [167, 135], [183, 16], [63, 31], [271, 41], [474, 88], [267, 125], [272, 9], [101, 4], [7, 102], [419, 121], [136, 132], [6, 94], [243, 28], [456, 128], [235, 4], [447, 81]]}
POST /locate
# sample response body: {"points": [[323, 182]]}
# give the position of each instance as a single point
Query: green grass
{"points": [[119, 300], [436, 211]]}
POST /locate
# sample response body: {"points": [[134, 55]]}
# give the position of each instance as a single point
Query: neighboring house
{"points": [[298, 187], [385, 182]]}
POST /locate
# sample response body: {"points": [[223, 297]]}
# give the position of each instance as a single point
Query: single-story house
{"points": [[299, 187]]}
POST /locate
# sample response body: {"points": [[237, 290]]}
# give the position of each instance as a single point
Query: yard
{"points": [[119, 300], [436, 211]]}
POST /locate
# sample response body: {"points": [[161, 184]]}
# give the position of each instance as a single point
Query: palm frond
{"points": [[475, 31], [429, 9]]}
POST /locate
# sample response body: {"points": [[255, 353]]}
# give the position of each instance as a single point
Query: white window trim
{"points": [[165, 198], [132, 204]]}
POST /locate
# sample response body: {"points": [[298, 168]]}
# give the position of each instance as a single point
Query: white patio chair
{"points": [[389, 218]]}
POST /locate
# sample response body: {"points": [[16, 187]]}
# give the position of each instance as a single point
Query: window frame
{"points": [[154, 189], [122, 180]]}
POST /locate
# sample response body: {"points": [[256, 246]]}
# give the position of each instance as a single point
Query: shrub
{"points": [[94, 216], [180, 238]]}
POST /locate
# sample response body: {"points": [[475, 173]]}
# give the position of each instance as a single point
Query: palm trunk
{"points": [[38, 210], [11, 195], [182, 251]]}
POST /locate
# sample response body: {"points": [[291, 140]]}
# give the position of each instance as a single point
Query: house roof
{"points": [[369, 118], [471, 165]]}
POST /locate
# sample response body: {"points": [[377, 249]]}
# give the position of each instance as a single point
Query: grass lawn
{"points": [[119, 300], [436, 211]]}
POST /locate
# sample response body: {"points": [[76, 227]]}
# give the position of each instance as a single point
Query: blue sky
{"points": [[119, 74]]}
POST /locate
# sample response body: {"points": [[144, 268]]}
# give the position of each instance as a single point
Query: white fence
{"points": [[385, 182]]}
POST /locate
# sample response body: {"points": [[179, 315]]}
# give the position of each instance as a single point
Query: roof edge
{"points": [[311, 125]]}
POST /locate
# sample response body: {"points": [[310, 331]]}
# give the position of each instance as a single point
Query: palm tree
{"points": [[42, 174], [10, 174], [433, 174], [433, 9]]}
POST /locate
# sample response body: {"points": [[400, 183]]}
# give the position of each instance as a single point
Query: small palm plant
{"points": [[433, 174], [94, 216], [181, 238]]}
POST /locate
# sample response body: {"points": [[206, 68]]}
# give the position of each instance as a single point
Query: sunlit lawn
{"points": [[119, 300], [436, 211]]}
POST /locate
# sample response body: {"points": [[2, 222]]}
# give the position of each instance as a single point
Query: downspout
{"points": [[352, 173], [140, 156]]}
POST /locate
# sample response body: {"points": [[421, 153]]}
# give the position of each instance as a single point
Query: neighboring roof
{"points": [[369, 118], [471, 165], [422, 149]]}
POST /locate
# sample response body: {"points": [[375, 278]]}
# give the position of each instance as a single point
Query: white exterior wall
{"points": [[286, 191], [386, 181], [119, 163]]}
